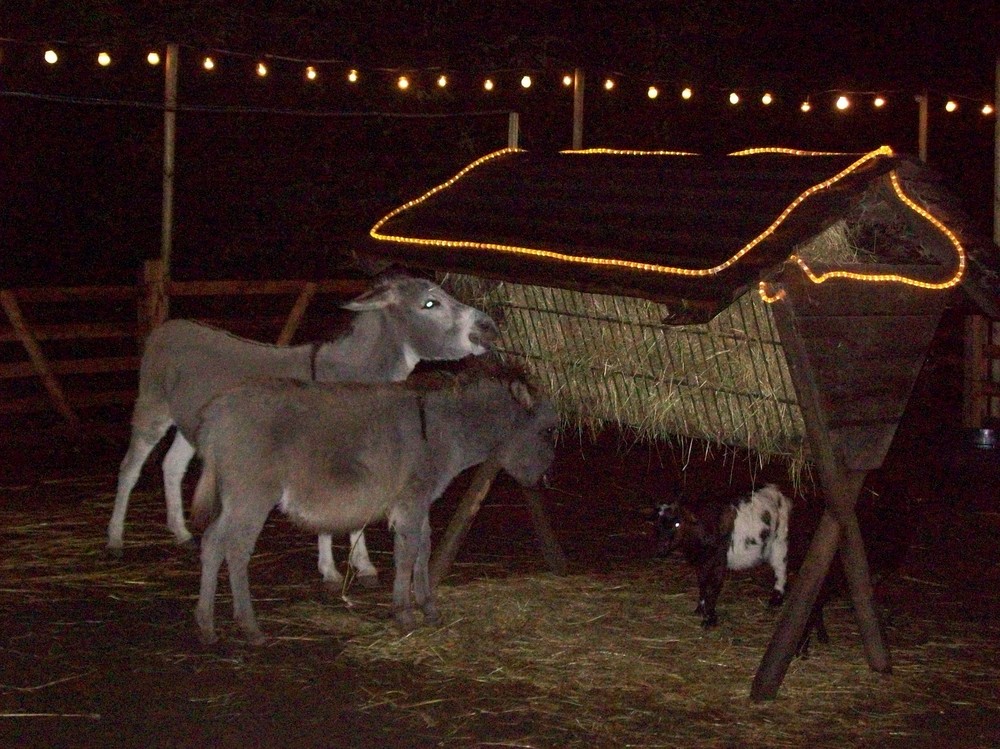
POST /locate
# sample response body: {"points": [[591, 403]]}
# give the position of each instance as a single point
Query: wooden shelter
{"points": [[777, 300]]}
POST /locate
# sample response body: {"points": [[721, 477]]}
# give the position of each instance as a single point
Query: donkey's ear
{"points": [[522, 394], [385, 292]]}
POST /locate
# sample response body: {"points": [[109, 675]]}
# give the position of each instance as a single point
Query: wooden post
{"points": [[578, 80], [153, 298], [922, 128], [513, 130], [169, 138], [447, 550], [38, 360], [298, 311]]}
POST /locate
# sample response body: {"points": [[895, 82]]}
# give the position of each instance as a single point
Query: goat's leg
{"points": [[141, 444], [423, 594], [711, 575], [405, 547], [779, 563], [175, 464], [358, 557], [212, 553], [240, 541]]}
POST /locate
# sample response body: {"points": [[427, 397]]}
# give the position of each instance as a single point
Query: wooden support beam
{"points": [[841, 489], [38, 359], [465, 513], [457, 529], [298, 311], [551, 550]]}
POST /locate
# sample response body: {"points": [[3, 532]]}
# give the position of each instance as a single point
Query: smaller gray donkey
{"points": [[334, 457]]}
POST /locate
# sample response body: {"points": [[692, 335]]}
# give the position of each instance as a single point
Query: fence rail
{"points": [[70, 348]]}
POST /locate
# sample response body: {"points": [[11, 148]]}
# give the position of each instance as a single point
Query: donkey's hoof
{"points": [[405, 622], [115, 552], [776, 600], [207, 637], [190, 545]]}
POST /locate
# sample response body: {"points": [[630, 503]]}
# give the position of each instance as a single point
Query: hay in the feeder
{"points": [[613, 359]]}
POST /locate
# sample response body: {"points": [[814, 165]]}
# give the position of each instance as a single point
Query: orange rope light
{"points": [[375, 232]]}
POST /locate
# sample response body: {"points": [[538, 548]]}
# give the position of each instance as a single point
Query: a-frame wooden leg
{"points": [[461, 521], [838, 526]]}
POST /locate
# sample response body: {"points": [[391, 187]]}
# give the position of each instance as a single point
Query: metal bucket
{"points": [[982, 439]]}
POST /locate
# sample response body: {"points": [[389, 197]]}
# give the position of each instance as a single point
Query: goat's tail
{"points": [[205, 507]]}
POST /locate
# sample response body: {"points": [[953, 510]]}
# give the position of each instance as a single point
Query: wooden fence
{"points": [[73, 348]]}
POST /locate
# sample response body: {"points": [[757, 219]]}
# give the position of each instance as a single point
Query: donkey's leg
{"points": [[404, 552], [367, 574], [327, 567], [240, 541], [143, 440], [422, 592], [175, 464], [212, 553]]}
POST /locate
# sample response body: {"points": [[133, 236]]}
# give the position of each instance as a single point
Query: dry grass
{"points": [[610, 658]]}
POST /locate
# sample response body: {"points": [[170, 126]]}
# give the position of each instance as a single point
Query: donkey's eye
{"points": [[431, 303]]}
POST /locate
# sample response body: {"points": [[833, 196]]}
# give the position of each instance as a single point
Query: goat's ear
{"points": [[522, 394], [727, 520], [382, 294]]}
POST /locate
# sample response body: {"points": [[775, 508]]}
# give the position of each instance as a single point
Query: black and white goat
{"points": [[730, 534]]}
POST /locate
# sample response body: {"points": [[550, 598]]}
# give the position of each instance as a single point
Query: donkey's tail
{"points": [[205, 507]]}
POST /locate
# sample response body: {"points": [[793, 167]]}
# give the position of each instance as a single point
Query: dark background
{"points": [[283, 178]]}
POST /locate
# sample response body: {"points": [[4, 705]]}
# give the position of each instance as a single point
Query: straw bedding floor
{"points": [[96, 652]]}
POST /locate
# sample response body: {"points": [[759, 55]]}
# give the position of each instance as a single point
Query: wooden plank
{"points": [[551, 550], [975, 371], [101, 365], [52, 294], [76, 331], [341, 287], [91, 399], [38, 360]]}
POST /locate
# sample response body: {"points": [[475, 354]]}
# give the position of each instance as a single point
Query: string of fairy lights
{"points": [[404, 81]]}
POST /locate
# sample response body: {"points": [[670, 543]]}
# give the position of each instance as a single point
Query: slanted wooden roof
{"points": [[692, 231]]}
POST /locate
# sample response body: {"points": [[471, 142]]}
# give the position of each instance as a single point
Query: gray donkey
{"points": [[334, 457], [398, 322]]}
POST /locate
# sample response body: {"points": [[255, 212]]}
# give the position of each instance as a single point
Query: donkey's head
{"points": [[429, 323]]}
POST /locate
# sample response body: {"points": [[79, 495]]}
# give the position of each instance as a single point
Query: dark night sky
{"points": [[86, 178]]}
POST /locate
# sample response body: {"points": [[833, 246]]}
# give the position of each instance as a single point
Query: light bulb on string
{"points": [[403, 83], [311, 73], [567, 80], [734, 98], [103, 59], [442, 80], [766, 99], [987, 109], [208, 63], [951, 105], [51, 57], [843, 103], [488, 84], [653, 92], [806, 106], [526, 82], [261, 69], [687, 93], [153, 58], [352, 76], [608, 84], [878, 102]]}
